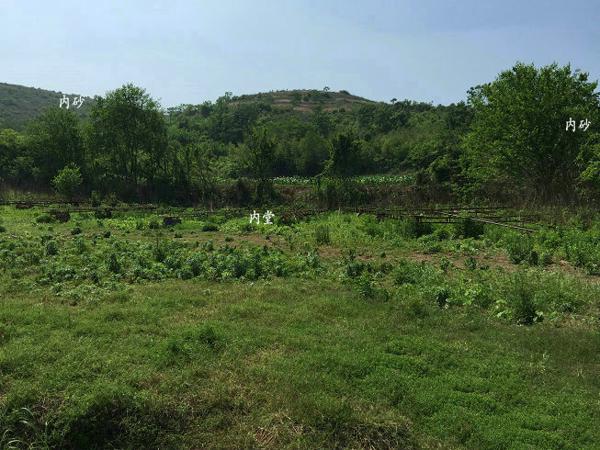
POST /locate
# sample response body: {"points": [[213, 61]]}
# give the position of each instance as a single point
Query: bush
{"points": [[469, 228], [51, 248], [45, 218], [442, 296], [371, 227], [95, 199], [365, 286], [336, 192], [322, 236], [75, 231], [113, 263], [471, 263], [415, 228], [545, 258], [521, 300], [68, 181], [519, 247], [208, 226], [103, 213]]}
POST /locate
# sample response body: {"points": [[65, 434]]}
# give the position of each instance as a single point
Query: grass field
{"points": [[340, 331]]}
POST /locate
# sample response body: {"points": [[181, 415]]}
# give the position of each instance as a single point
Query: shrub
{"points": [[80, 246], [365, 286], [75, 231], [469, 228], [209, 226], [335, 192], [519, 247], [322, 236], [95, 199], [445, 264], [371, 227], [415, 228], [545, 258], [68, 181], [103, 213], [112, 199], [521, 300], [51, 248], [45, 218], [407, 272], [113, 263], [471, 263]]}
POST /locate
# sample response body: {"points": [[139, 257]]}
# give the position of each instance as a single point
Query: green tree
{"points": [[127, 139], [259, 157], [16, 165], [55, 141], [344, 157], [518, 135], [313, 151], [68, 181]]}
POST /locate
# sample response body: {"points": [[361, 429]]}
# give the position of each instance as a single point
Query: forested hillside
{"points": [[20, 104]]}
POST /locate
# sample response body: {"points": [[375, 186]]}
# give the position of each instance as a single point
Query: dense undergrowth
{"points": [[79, 264]]}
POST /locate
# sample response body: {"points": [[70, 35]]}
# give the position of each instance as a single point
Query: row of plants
{"points": [[524, 297], [361, 179]]}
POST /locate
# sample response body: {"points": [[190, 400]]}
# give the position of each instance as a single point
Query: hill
{"points": [[305, 100], [20, 104]]}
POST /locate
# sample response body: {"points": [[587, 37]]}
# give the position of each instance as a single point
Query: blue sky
{"points": [[185, 51]]}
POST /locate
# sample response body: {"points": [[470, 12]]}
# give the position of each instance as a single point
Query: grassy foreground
{"points": [[351, 345]]}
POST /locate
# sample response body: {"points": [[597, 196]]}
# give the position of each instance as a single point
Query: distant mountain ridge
{"points": [[20, 104]]}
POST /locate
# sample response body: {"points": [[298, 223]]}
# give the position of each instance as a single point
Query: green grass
{"points": [[358, 343]]}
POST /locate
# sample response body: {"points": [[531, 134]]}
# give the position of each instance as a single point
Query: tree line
{"points": [[509, 138]]}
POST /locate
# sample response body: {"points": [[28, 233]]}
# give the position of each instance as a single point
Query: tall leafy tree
{"points": [[259, 158], [127, 139], [345, 156], [313, 151], [519, 134], [54, 140], [16, 165]]}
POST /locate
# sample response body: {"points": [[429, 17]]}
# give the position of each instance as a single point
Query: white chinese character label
{"points": [[64, 101], [268, 216], [255, 216], [584, 124], [78, 101]]}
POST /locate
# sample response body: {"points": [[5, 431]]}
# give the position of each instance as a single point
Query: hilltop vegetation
{"points": [[306, 100]]}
